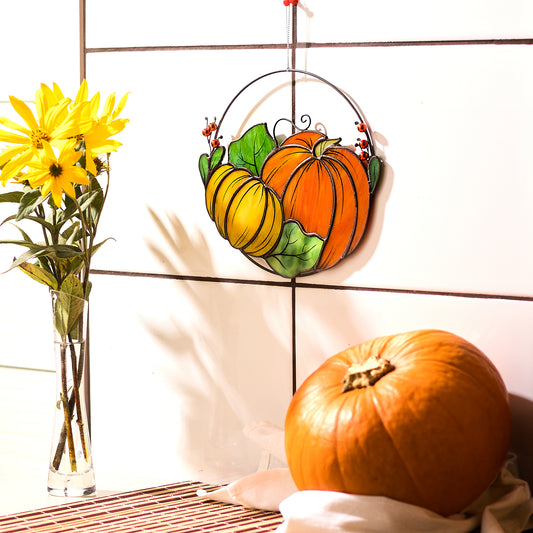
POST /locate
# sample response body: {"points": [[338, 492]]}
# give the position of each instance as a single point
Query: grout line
{"points": [[307, 45], [209, 279], [11, 367], [303, 285]]}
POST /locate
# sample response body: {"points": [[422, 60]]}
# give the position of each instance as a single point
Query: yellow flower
{"points": [[55, 174], [54, 122], [97, 139]]}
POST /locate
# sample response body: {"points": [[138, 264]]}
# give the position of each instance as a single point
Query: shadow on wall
{"points": [[217, 371], [522, 435]]}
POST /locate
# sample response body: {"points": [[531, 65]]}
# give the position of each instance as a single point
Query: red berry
{"points": [[363, 144], [286, 2], [215, 143], [294, 2], [212, 126], [361, 127], [364, 155], [206, 132]]}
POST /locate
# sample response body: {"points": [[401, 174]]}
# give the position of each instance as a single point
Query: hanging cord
{"points": [[287, 4]]}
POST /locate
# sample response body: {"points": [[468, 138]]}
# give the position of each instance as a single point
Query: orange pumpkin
{"points": [[325, 187], [421, 417]]}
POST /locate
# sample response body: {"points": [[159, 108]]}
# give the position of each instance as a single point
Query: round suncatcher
{"points": [[293, 204]]}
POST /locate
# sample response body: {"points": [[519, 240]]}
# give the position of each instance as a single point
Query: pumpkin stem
{"points": [[320, 147], [366, 374]]}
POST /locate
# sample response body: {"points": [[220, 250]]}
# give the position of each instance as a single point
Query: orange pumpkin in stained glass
{"points": [[324, 186]]}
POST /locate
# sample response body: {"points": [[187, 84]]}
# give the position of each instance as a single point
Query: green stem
{"points": [[77, 399], [63, 435], [85, 246], [66, 408]]}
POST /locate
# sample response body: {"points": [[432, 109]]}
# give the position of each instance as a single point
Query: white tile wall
{"points": [[180, 368], [412, 20], [182, 359], [170, 23], [39, 44], [454, 201]]}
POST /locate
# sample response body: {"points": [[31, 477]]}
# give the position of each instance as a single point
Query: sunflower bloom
{"points": [[54, 122], [97, 141], [56, 174]]}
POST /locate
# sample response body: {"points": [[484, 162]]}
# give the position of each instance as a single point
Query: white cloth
{"points": [[262, 490], [505, 507]]}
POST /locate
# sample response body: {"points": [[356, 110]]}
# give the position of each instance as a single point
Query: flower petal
{"points": [[77, 122], [8, 137], [13, 167], [120, 106], [55, 116], [10, 153], [108, 106], [83, 93], [24, 111], [48, 152], [77, 175], [57, 91], [13, 125]]}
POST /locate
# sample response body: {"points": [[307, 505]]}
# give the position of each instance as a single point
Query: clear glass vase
{"points": [[71, 472]]}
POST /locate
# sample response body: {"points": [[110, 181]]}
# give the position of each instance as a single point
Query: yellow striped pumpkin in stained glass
{"points": [[246, 212]]}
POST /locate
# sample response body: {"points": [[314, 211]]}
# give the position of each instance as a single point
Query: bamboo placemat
{"points": [[169, 508]]}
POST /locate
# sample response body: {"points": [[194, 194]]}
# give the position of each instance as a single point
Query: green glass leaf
{"points": [[203, 166], [216, 157], [374, 170], [208, 163], [251, 149], [296, 251]]}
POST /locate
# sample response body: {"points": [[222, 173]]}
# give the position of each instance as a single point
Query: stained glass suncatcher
{"points": [[293, 204]]}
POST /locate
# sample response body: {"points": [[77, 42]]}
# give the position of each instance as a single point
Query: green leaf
{"points": [[25, 236], [56, 250], [98, 203], [73, 286], [69, 307], [39, 274], [28, 202], [72, 233], [374, 170], [251, 149], [85, 200], [216, 157], [70, 210], [10, 217], [48, 225], [13, 196], [296, 251], [70, 265], [203, 166], [206, 164]]}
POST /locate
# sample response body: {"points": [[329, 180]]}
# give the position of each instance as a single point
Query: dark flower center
{"points": [[38, 136], [55, 170]]}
